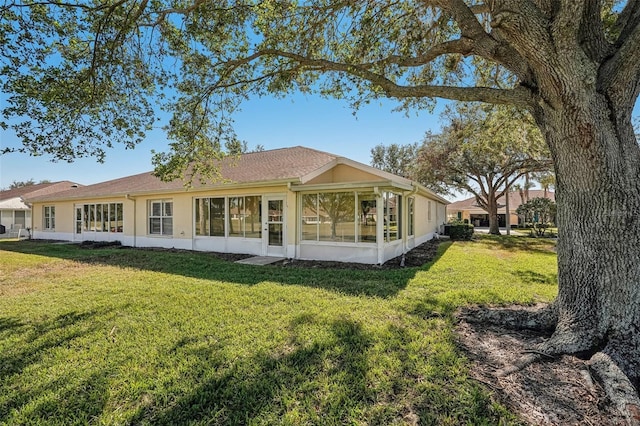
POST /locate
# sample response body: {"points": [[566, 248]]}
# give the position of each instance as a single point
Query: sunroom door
{"points": [[274, 233], [78, 220]]}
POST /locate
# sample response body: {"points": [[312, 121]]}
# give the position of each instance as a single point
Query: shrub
{"points": [[538, 229], [460, 231]]}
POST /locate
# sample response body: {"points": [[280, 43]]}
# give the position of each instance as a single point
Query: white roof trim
{"points": [[351, 185]]}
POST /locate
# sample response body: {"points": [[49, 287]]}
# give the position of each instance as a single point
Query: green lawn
{"points": [[124, 336]]}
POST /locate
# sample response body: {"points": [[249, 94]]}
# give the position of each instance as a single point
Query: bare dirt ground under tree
{"points": [[554, 392]]}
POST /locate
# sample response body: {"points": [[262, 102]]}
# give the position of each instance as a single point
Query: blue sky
{"points": [[311, 121], [314, 122]]}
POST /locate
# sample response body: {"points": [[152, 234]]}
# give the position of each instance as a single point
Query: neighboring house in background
{"points": [[15, 213], [292, 202], [477, 216]]}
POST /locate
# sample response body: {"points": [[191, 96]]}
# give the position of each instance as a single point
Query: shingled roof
{"points": [[38, 190], [285, 164]]}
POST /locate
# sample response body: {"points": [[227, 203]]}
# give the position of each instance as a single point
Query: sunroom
{"points": [[365, 225]]}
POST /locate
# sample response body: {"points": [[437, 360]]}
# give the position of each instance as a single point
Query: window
{"points": [[236, 216], [105, 218], [78, 219], [392, 216], [329, 216], [210, 217], [92, 217], [97, 225], [411, 215], [332, 216], [114, 222], [49, 217], [245, 216], [253, 216], [99, 218], [161, 217], [339, 208], [367, 215], [20, 218], [311, 219]]}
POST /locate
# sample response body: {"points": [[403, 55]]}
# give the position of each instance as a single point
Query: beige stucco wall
{"points": [[343, 173], [63, 211], [183, 208], [424, 223]]}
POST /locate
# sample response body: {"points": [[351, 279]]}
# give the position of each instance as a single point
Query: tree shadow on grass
{"points": [[324, 373], [10, 324], [319, 377], [202, 265], [532, 277], [519, 243], [50, 395]]}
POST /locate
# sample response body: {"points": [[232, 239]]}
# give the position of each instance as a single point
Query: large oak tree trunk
{"points": [[492, 209], [597, 164]]}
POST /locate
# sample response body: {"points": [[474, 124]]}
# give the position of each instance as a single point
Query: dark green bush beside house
{"points": [[460, 231]]}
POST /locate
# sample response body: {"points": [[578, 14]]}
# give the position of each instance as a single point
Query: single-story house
{"points": [[15, 213], [470, 210], [292, 202]]}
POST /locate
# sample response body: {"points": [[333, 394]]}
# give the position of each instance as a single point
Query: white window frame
{"points": [[411, 216], [161, 217], [49, 218], [357, 194], [386, 209]]}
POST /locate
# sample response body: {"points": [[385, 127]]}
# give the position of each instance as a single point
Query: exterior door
{"points": [[274, 236], [77, 231]]}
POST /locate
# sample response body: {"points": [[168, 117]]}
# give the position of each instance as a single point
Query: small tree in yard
{"points": [[540, 212], [81, 76]]}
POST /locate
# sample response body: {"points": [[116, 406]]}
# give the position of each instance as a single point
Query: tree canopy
{"points": [[398, 159], [482, 147], [19, 183], [82, 77], [482, 150]]}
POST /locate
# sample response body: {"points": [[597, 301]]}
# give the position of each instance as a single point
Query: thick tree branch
{"points": [[568, 20], [465, 17], [591, 37], [463, 46], [628, 20], [620, 75], [518, 96], [526, 28], [486, 45]]}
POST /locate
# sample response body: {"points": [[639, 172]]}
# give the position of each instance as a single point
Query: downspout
{"points": [[135, 217]]}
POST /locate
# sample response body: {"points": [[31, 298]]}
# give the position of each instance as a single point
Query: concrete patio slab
{"points": [[260, 260]]}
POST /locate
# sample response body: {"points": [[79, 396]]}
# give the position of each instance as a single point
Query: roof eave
{"points": [[256, 184]]}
